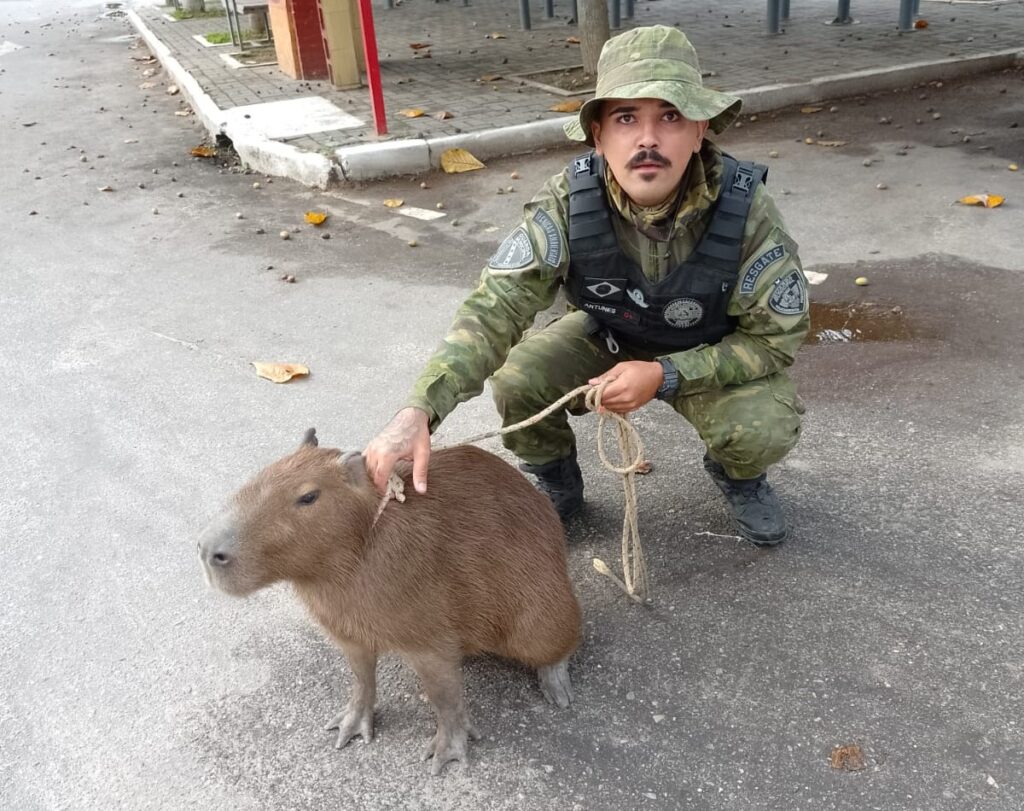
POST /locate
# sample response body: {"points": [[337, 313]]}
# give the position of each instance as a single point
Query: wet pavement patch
{"points": [[847, 322]]}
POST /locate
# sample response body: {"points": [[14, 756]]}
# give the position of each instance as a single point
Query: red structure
{"points": [[298, 40]]}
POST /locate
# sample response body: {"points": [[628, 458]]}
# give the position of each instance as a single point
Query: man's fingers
{"points": [[420, 463]]}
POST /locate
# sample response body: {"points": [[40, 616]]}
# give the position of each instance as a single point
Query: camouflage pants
{"points": [[746, 428]]}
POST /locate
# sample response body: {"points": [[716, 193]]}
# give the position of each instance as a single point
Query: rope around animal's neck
{"points": [[631, 449]]}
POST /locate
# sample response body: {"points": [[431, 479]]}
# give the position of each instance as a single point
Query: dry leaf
{"points": [[315, 217], [570, 106], [106, 188], [573, 40], [920, 24], [644, 467], [203, 152], [987, 200], [279, 372], [147, 85], [415, 112], [809, 110], [172, 90], [393, 202], [443, 115], [454, 161], [183, 112], [490, 77], [418, 45], [831, 143], [850, 758], [497, 35]]}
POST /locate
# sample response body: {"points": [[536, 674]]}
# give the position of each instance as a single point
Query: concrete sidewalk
{"points": [[315, 134]]}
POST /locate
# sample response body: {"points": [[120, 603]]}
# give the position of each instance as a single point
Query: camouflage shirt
{"points": [[493, 318]]}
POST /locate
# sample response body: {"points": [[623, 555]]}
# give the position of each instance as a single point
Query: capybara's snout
{"points": [[218, 552]]}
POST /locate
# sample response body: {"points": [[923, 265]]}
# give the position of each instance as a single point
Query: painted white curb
{"points": [[262, 154]]}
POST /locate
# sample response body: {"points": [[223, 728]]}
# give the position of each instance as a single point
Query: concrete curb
{"points": [[262, 154], [411, 156]]}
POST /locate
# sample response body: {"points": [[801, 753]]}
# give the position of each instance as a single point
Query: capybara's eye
{"points": [[310, 497]]}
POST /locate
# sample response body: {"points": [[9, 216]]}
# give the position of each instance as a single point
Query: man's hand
{"points": [[630, 384], [407, 436]]}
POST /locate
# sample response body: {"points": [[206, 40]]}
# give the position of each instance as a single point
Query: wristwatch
{"points": [[670, 384]]}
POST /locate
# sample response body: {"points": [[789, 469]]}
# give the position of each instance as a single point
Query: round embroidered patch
{"points": [[683, 313]]}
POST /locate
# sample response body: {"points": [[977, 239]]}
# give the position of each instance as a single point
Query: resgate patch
{"points": [[759, 266], [790, 294], [514, 253]]}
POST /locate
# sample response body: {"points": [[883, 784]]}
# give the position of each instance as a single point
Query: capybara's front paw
{"points": [[355, 720], [555, 683], [449, 743]]}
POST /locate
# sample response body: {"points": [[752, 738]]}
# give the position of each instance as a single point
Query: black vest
{"points": [[686, 308]]}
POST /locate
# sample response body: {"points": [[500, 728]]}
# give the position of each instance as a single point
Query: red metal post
{"points": [[380, 121]]}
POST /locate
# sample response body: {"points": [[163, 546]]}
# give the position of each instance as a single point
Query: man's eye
{"points": [[626, 118], [672, 116], [310, 497]]}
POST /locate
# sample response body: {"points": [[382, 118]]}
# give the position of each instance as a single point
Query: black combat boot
{"points": [[562, 482], [754, 505]]}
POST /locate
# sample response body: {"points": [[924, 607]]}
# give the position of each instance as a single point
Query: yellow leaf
{"points": [[279, 372], [573, 40], [1013, 167], [570, 106], [809, 110], [832, 143], [203, 151], [415, 112], [454, 161], [393, 203], [315, 217], [987, 200]]}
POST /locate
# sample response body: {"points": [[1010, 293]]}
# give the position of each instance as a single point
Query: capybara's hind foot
{"points": [[356, 720], [449, 744], [555, 683]]}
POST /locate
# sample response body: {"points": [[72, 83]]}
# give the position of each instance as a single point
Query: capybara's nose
{"points": [[217, 542], [218, 557]]}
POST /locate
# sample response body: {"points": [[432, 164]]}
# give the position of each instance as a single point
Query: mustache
{"points": [[648, 156]]}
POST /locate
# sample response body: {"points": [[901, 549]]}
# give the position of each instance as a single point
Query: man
{"points": [[684, 283]]}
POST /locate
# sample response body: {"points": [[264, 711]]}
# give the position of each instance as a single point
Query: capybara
{"points": [[475, 565]]}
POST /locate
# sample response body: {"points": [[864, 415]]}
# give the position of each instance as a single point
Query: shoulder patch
{"points": [[552, 238], [759, 266], [790, 294], [514, 253]]}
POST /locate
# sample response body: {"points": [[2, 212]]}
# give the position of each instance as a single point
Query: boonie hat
{"points": [[654, 62]]}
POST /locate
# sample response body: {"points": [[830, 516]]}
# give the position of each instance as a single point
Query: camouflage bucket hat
{"points": [[655, 62]]}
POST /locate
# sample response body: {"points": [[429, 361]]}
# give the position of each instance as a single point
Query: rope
{"points": [[634, 568]]}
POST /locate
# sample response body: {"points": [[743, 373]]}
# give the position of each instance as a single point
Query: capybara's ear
{"points": [[309, 438], [355, 468]]}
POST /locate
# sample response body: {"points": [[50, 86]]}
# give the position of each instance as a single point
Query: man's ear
{"points": [[702, 128], [595, 133]]}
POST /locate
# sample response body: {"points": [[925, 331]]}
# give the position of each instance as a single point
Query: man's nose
{"points": [[648, 135]]}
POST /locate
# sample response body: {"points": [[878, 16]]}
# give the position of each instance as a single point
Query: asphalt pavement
{"points": [[889, 621]]}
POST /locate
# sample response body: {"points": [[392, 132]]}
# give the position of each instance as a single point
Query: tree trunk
{"points": [[594, 32]]}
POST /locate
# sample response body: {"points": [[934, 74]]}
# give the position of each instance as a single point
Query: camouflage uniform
{"points": [[734, 392]]}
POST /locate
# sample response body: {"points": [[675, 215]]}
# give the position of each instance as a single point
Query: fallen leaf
{"points": [[106, 188], [831, 143], [642, 469], [809, 110], [570, 106], [987, 200], [497, 35], [418, 45], [393, 202], [147, 85], [573, 40], [490, 77], [415, 112], [172, 90], [203, 151], [443, 115], [28, 123], [920, 24], [279, 372], [316, 217], [183, 112], [849, 758], [458, 160], [1013, 167]]}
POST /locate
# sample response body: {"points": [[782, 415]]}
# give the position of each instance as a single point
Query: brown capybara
{"points": [[475, 565]]}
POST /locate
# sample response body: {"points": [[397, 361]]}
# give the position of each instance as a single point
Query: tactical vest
{"points": [[686, 308]]}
